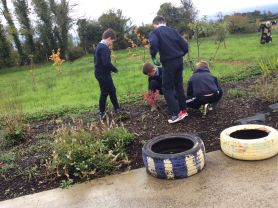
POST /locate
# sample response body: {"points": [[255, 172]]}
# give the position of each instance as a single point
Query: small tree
{"points": [[200, 29], [221, 32]]}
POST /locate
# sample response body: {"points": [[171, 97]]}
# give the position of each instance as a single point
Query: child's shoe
{"points": [[210, 107], [182, 114], [101, 115], [206, 108]]}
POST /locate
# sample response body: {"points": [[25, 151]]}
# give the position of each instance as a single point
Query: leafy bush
{"points": [[117, 139], [75, 53], [82, 154], [240, 24]]}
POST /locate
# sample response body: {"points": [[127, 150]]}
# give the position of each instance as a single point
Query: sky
{"points": [[143, 11]]}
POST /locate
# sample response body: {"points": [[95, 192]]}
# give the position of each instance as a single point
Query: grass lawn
{"points": [[76, 87]]}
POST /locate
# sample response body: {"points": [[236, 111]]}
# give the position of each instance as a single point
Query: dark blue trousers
{"points": [[107, 88], [172, 85]]}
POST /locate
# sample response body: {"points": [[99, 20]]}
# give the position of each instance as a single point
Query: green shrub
{"points": [[75, 53], [7, 162], [236, 92], [82, 154], [268, 64], [15, 131]]}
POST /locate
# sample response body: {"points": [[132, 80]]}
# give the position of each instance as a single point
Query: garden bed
{"points": [[29, 158]]}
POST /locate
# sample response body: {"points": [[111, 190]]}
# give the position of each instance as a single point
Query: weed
{"points": [[264, 89], [237, 92], [142, 142], [15, 131], [268, 64], [7, 162], [29, 172], [64, 184], [7, 157], [7, 168]]}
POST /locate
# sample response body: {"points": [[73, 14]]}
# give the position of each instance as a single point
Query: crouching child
{"points": [[155, 77], [203, 89]]}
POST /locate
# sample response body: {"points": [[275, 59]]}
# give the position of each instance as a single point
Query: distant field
{"points": [[76, 87]]}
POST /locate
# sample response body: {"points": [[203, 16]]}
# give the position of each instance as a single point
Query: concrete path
{"points": [[223, 183]]}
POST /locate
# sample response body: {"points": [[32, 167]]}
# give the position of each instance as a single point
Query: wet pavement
{"points": [[224, 182]]}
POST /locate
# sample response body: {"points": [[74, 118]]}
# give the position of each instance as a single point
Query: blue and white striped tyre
{"points": [[174, 156], [249, 142]]}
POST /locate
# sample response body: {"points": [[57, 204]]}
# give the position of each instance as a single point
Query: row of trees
{"points": [[34, 41], [89, 31]]}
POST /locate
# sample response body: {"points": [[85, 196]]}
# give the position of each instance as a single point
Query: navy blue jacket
{"points": [[158, 77], [168, 42], [102, 60], [202, 82]]}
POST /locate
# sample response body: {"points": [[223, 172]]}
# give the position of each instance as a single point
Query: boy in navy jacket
{"points": [[203, 88], [171, 47], [103, 69], [155, 77]]}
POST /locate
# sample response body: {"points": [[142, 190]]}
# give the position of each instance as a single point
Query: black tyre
{"points": [[173, 156]]}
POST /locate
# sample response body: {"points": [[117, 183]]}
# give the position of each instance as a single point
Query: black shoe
{"points": [[101, 115]]}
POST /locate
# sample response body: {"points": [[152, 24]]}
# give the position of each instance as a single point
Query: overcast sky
{"points": [[144, 10]]}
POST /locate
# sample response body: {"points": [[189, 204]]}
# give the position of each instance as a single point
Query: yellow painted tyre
{"points": [[249, 142]]}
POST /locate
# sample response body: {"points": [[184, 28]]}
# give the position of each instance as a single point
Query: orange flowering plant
{"points": [[57, 61], [134, 51], [151, 98]]}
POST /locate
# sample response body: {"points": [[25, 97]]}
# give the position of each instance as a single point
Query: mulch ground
{"points": [[145, 125]]}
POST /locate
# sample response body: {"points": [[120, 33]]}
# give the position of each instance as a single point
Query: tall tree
{"points": [[170, 13], [189, 11], [63, 22], [178, 17], [5, 49], [45, 26], [22, 12], [13, 30], [119, 23], [89, 33]]}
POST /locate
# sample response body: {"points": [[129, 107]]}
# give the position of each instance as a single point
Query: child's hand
{"points": [[155, 61]]}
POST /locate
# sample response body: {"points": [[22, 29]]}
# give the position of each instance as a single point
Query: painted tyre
{"points": [[174, 156], [249, 142]]}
